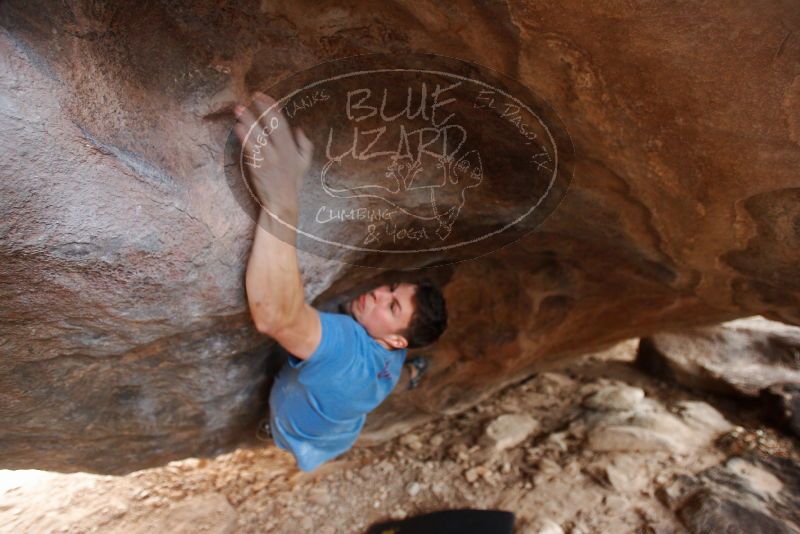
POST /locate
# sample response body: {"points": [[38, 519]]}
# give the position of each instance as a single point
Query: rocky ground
{"points": [[593, 446]]}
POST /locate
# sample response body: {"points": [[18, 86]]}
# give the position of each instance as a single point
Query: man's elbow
{"points": [[272, 321], [266, 328], [267, 321]]}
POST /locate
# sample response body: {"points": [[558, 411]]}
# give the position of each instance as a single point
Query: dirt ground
{"points": [[565, 463]]}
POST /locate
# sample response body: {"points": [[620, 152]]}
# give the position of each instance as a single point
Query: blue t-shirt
{"points": [[318, 405]]}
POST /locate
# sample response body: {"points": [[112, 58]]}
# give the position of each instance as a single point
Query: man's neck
{"points": [[383, 344], [346, 308]]}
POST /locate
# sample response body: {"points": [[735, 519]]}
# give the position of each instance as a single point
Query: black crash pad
{"points": [[450, 522]]}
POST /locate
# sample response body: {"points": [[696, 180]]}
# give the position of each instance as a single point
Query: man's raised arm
{"points": [[276, 164], [274, 289]]}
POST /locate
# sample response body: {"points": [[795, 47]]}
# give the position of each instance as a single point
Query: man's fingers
{"points": [[251, 134], [254, 152], [266, 136], [241, 133], [305, 144], [246, 118], [273, 120]]}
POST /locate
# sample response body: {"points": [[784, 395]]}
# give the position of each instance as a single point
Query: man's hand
{"points": [[276, 158]]}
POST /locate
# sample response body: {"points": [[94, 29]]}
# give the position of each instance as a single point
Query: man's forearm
{"points": [[274, 287]]}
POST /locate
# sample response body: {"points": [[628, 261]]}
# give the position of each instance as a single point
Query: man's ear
{"points": [[397, 341]]}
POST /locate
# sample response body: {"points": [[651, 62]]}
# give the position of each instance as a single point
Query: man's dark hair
{"points": [[429, 319]]}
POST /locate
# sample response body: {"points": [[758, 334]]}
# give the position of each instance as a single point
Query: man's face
{"points": [[385, 311]]}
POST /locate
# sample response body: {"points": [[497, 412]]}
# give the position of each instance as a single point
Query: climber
{"points": [[341, 365]]}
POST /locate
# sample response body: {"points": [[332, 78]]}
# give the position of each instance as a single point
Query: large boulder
{"points": [[753, 493], [740, 357], [753, 358], [126, 338]]}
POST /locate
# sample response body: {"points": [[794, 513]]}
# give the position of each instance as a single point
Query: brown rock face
{"points": [[125, 333]]}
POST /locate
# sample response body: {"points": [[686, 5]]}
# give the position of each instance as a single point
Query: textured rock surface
{"points": [[126, 339], [739, 357], [647, 426], [782, 405], [752, 358], [741, 495]]}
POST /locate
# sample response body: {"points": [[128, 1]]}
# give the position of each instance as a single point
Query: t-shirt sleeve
{"points": [[336, 346]]}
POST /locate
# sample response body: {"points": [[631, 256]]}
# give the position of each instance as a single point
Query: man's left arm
{"points": [[274, 287], [275, 293]]}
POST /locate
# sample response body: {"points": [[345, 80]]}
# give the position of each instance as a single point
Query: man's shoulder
{"points": [[343, 333], [336, 315], [342, 337], [342, 322]]}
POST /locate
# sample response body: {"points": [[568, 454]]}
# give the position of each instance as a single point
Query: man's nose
{"points": [[381, 292]]}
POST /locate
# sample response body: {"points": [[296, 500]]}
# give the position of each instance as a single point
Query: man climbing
{"points": [[341, 365]]}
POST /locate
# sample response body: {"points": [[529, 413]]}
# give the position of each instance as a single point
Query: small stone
{"points": [[559, 439], [615, 398], [646, 430], [546, 465], [549, 527], [471, 475], [615, 502], [509, 430], [551, 381], [385, 467], [320, 496], [436, 441], [572, 468], [413, 489], [306, 523], [479, 471], [672, 494], [411, 441], [398, 513]]}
